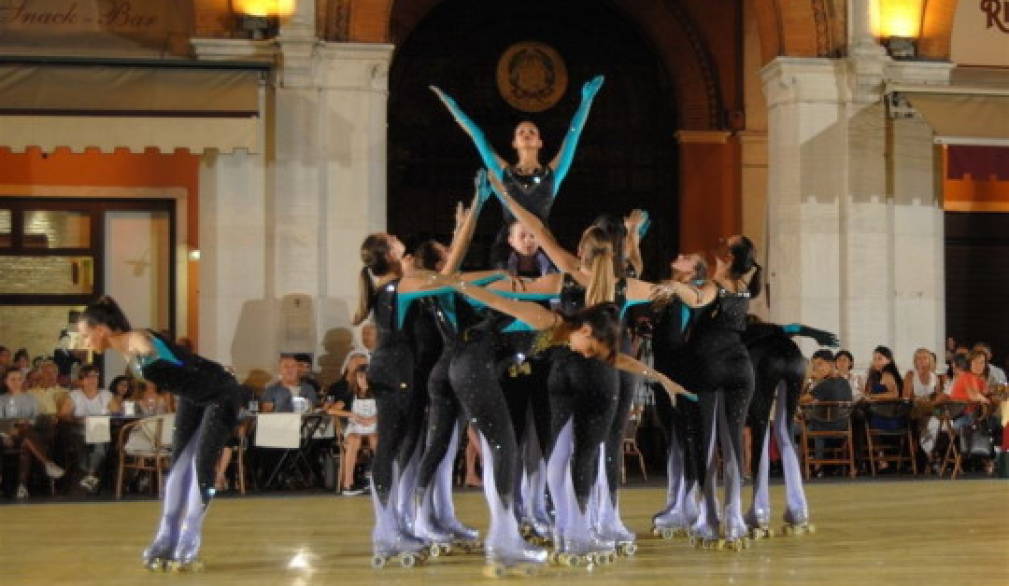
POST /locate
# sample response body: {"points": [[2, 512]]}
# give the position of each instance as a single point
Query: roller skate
{"points": [[758, 521], [670, 524], [624, 542], [797, 524], [703, 536], [404, 549], [520, 559], [464, 538], [736, 533], [585, 553], [185, 557], [159, 553]]}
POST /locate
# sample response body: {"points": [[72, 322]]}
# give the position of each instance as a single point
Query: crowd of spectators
{"points": [[45, 405]]}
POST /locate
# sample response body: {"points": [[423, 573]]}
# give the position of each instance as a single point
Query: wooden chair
{"points": [[631, 448], [899, 410], [947, 412], [829, 414], [153, 460]]}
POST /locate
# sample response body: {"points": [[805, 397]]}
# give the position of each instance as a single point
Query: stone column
{"points": [[806, 160]]}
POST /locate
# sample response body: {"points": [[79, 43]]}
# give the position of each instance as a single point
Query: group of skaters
{"points": [[536, 356]]}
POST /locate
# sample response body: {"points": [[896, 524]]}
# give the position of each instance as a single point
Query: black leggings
{"points": [[442, 418], [390, 376], [584, 391], [474, 376], [211, 425]]}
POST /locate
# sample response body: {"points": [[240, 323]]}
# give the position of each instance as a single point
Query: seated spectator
{"points": [[369, 336], [305, 373], [49, 394], [993, 374], [922, 385], [361, 427], [122, 391], [828, 387], [280, 396], [19, 405], [22, 361], [843, 363], [338, 395], [87, 401], [150, 401], [6, 359]]}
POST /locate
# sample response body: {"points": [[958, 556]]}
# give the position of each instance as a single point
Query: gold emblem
{"points": [[531, 76]]}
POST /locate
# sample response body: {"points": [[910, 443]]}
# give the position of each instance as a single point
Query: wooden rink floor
{"points": [[882, 532]]}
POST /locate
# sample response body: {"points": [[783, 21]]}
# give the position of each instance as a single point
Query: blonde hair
{"points": [[925, 352], [596, 252]]}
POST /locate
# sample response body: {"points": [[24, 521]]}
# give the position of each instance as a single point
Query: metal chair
{"points": [[829, 414], [898, 410], [153, 459], [630, 448]]}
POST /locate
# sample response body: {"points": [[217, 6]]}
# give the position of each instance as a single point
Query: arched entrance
{"points": [[628, 152]]}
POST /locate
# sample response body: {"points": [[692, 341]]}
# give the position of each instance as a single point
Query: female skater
{"points": [[727, 382], [534, 184], [206, 414], [595, 259], [389, 285], [593, 335]]}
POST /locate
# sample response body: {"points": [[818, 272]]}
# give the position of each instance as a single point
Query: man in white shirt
{"points": [[87, 400]]}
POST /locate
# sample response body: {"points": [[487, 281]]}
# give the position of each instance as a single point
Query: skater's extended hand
{"points": [[482, 186], [823, 338], [591, 87]]}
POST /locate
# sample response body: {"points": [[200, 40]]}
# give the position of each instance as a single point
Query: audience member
{"points": [[843, 363], [526, 259], [922, 385], [362, 424], [87, 401], [369, 336], [6, 360], [281, 396], [122, 391], [828, 386], [21, 406], [22, 361], [305, 373], [339, 391]]}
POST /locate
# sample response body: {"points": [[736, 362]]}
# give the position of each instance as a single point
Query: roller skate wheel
{"points": [[493, 571], [693, 541], [408, 560], [811, 529], [629, 549], [668, 533], [600, 559], [656, 532], [156, 565], [378, 561]]}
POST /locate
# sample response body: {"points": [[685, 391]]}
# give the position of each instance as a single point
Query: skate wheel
{"points": [[408, 560], [155, 565], [811, 529], [656, 532], [630, 549], [378, 561], [668, 533], [693, 541], [734, 545], [600, 559], [493, 571]]}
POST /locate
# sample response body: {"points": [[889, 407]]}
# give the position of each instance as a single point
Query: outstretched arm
{"points": [[562, 162], [633, 366], [822, 337], [564, 260], [690, 294], [534, 314], [491, 160], [466, 224], [632, 244]]}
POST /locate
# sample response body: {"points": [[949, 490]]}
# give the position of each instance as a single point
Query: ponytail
{"points": [[744, 260], [602, 288], [365, 296]]}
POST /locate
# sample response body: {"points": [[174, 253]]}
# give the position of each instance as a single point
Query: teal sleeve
{"points": [[574, 134], [487, 153]]}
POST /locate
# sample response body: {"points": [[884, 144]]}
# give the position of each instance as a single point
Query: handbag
{"points": [[980, 444]]}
